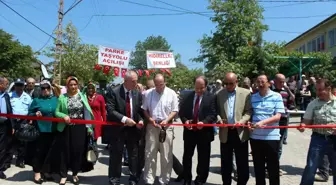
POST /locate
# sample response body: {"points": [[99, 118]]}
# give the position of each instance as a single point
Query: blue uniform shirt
{"points": [[263, 108], [20, 105]]}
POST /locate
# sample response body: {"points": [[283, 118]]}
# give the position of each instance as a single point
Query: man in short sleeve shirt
{"points": [[267, 108], [160, 107], [321, 111], [20, 102]]}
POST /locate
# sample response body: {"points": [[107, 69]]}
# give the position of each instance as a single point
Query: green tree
{"points": [[181, 76], [236, 41], [156, 43], [16, 59], [237, 22], [78, 59]]}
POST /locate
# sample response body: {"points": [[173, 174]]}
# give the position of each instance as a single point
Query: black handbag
{"points": [[27, 132], [92, 152]]}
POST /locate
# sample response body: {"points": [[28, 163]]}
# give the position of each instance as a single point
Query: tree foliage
{"points": [[156, 43], [16, 59], [77, 58], [181, 76], [238, 23], [237, 46]]}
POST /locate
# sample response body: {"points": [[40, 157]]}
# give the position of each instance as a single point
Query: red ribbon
{"points": [[95, 122]]}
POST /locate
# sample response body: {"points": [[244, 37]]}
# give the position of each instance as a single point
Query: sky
{"points": [[181, 31]]}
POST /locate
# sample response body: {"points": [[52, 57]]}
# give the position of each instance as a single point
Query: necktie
{"points": [[128, 105], [196, 108]]}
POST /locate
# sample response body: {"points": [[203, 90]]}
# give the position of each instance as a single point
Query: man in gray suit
{"points": [[234, 107]]}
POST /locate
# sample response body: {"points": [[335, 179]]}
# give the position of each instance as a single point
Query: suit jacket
{"points": [[207, 114], [116, 110], [9, 123], [242, 112]]}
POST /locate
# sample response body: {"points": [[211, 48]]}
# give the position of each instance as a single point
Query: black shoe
{"points": [[285, 142], [132, 183], [186, 182], [47, 178], [179, 178], [62, 183], [125, 164], [114, 181], [40, 181], [198, 183], [76, 181], [2, 175], [20, 165]]}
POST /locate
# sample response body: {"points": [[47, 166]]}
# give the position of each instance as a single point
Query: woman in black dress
{"points": [[73, 138]]}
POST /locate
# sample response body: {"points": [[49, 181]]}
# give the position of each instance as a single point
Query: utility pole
{"points": [[59, 42]]}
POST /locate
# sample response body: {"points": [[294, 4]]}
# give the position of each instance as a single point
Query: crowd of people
{"points": [[142, 116]]}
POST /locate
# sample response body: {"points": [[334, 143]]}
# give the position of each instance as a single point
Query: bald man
{"points": [[30, 88], [233, 107], [267, 108], [160, 107], [287, 98]]}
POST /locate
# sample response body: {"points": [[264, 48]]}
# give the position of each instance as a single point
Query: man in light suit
{"points": [[123, 105], [234, 107]]}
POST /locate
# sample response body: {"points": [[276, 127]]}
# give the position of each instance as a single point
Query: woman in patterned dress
{"points": [[73, 138]]}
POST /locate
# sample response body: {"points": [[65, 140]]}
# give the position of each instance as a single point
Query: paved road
{"points": [[292, 163]]}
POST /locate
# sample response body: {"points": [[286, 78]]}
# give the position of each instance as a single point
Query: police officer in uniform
{"points": [[20, 102]]}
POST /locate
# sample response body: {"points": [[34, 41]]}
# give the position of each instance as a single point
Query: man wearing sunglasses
{"points": [[20, 102], [234, 107]]}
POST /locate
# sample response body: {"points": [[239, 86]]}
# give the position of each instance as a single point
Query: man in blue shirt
{"points": [[20, 102], [267, 109]]}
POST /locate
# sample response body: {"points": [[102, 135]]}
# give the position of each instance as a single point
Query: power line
{"points": [[188, 13], [26, 19], [181, 8], [46, 43], [19, 27], [299, 17], [282, 31], [74, 4], [150, 6]]}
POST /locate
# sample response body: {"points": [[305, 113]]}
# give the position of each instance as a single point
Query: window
{"points": [[332, 35], [322, 43], [303, 48], [309, 47], [314, 45], [318, 41]]}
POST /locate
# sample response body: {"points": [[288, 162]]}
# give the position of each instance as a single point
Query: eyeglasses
{"points": [[44, 88], [228, 83]]}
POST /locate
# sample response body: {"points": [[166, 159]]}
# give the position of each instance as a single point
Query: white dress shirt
{"points": [[161, 105]]}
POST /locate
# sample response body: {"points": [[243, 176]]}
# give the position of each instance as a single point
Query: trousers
{"points": [[153, 146]]}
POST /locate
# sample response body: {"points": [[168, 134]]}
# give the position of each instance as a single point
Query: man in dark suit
{"points": [[197, 107], [5, 128], [123, 105]]}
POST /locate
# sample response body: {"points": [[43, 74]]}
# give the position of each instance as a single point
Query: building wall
{"points": [[305, 42]]}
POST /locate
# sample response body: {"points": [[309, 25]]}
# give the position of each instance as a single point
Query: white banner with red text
{"points": [[160, 60]]}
